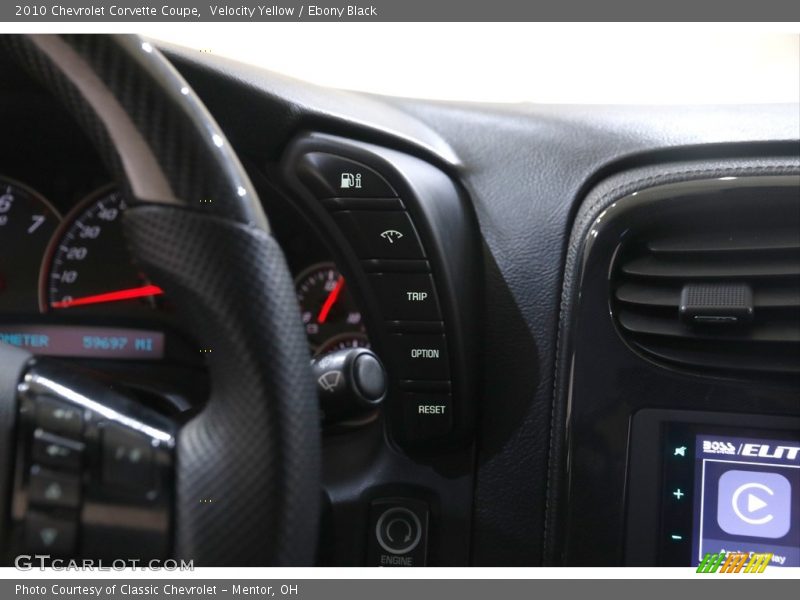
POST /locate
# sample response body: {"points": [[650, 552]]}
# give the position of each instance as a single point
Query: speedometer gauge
{"points": [[329, 313], [27, 221], [90, 267]]}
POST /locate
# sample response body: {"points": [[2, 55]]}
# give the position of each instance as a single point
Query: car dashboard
{"points": [[579, 310]]}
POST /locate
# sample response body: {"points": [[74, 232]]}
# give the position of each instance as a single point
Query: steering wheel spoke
{"points": [[93, 467]]}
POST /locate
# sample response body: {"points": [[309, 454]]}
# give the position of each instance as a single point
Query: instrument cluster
{"points": [[68, 286]]}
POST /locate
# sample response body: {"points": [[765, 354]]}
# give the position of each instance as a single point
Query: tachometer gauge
{"points": [[331, 318], [27, 222], [344, 342], [90, 267]]}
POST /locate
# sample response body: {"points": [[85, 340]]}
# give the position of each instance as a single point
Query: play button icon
{"points": [[754, 503]]}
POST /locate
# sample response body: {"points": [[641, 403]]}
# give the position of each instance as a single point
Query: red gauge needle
{"points": [[330, 300], [116, 296]]}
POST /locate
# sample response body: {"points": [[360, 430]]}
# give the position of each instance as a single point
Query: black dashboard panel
{"points": [[525, 168], [488, 279]]}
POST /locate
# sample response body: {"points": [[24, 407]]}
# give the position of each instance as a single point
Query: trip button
{"points": [[380, 234], [59, 417], [48, 488], [406, 296], [56, 451], [331, 176], [426, 416], [420, 356]]}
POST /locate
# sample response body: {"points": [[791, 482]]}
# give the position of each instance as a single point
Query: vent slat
{"points": [[688, 267], [711, 358], [777, 332], [764, 296], [727, 242], [648, 295]]}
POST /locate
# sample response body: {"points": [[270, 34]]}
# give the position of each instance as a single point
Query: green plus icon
{"points": [[678, 493]]}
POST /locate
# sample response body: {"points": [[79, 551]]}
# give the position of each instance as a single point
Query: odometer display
{"points": [[91, 268], [27, 222], [85, 341]]}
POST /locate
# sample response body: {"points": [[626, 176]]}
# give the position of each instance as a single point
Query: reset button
{"points": [[427, 416]]}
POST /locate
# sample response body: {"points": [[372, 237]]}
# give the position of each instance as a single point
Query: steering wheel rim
{"points": [[247, 487]]}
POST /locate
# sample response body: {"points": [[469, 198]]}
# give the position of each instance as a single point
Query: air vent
{"points": [[724, 299]]}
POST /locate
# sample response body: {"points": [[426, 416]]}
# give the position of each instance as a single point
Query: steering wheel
{"points": [[239, 482]]}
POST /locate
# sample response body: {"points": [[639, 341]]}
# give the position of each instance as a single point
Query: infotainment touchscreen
{"points": [[746, 497], [729, 489]]}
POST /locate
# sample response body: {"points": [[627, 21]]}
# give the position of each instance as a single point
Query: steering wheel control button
{"points": [[331, 176], [420, 356], [59, 417], [49, 535], [398, 533], [56, 451], [380, 234], [49, 488], [127, 459], [427, 416], [406, 296]]}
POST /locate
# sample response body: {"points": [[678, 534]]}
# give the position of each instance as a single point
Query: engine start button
{"points": [[398, 530]]}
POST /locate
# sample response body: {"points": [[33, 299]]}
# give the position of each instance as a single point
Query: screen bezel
{"points": [[644, 532]]}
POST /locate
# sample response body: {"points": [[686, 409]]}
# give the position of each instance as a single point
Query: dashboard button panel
{"points": [[421, 357], [332, 176], [406, 296], [380, 234], [428, 416], [411, 244]]}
